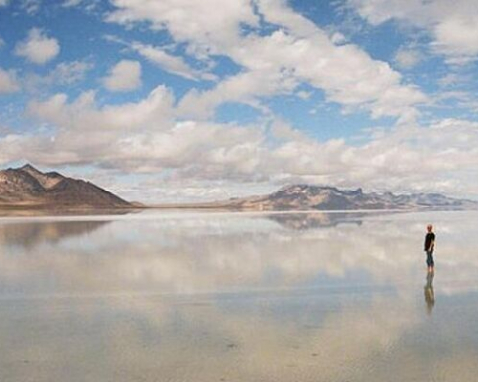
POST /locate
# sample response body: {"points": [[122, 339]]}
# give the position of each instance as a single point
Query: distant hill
{"points": [[28, 187], [306, 197]]}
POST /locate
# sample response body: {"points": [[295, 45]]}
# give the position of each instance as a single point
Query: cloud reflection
{"points": [[234, 252], [330, 299]]}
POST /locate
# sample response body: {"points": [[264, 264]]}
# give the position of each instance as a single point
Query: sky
{"points": [[186, 100]]}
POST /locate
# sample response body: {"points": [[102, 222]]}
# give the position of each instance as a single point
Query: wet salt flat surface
{"points": [[238, 297]]}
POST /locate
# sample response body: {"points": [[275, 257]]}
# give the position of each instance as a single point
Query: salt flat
{"points": [[191, 296]]}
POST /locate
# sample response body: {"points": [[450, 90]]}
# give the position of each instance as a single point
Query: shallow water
{"points": [[165, 296]]}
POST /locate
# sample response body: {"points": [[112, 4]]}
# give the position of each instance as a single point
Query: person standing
{"points": [[429, 247]]}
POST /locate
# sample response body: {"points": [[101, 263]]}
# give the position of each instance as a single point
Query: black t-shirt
{"points": [[428, 240]]}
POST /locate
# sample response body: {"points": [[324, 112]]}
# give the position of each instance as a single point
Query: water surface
{"points": [[165, 296]]}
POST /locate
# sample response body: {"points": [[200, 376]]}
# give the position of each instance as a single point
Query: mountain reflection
{"points": [[29, 235], [199, 253], [304, 221], [236, 297]]}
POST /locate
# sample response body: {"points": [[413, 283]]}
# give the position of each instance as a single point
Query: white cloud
{"points": [[89, 6], [124, 76], [3, 3], [168, 62], [146, 136], [305, 95], [8, 82], [206, 24], [407, 58], [453, 25], [346, 73], [246, 87], [65, 73], [338, 38], [278, 63], [275, 63], [71, 3], [31, 6], [38, 47], [141, 136], [153, 134], [83, 114], [161, 57]]}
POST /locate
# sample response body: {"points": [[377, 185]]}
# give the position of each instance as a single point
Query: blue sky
{"points": [[175, 100]]}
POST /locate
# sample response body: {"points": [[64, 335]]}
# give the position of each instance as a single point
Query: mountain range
{"points": [[27, 187], [307, 197]]}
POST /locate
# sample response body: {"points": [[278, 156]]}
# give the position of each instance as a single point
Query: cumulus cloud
{"points": [[278, 63], [124, 76], [275, 63], [207, 24], [453, 26], [147, 136], [160, 134], [8, 81], [38, 47], [83, 113], [246, 87]]}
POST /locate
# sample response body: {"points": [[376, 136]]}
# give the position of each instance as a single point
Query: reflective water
{"points": [[164, 296]]}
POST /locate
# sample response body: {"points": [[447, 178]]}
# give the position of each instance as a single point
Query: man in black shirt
{"points": [[429, 246]]}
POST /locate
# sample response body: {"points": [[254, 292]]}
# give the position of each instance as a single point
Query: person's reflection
{"points": [[429, 294]]}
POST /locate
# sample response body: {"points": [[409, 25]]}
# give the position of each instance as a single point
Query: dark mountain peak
{"points": [[29, 167], [46, 180], [293, 188], [29, 187], [54, 174]]}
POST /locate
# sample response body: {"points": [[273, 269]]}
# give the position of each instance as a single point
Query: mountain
{"points": [[306, 197], [27, 187], [30, 188]]}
